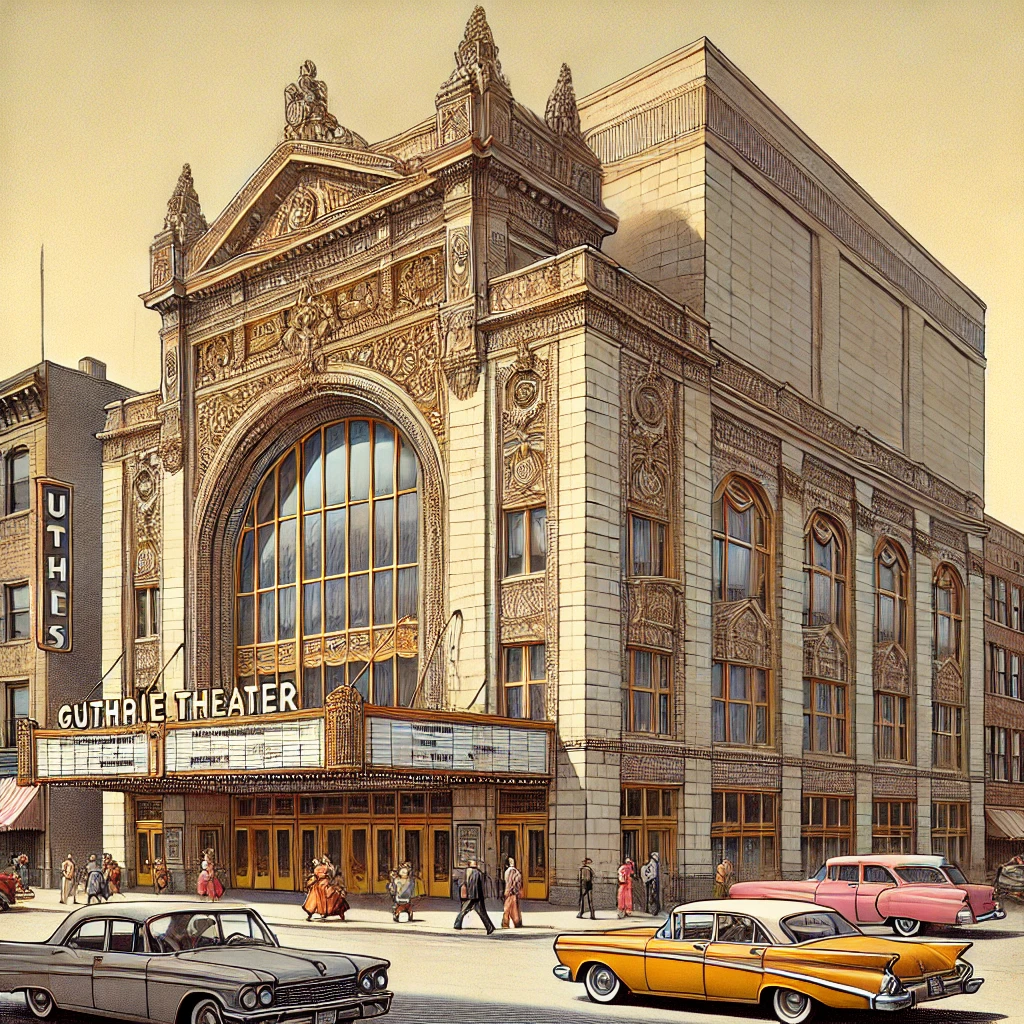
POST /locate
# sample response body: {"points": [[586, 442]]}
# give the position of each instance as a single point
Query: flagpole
{"points": [[42, 308]]}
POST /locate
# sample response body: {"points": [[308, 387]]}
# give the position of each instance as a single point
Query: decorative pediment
{"points": [[652, 613], [891, 668], [947, 682], [826, 655], [743, 633]]}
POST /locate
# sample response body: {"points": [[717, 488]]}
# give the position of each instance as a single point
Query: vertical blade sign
{"points": [[53, 597]]}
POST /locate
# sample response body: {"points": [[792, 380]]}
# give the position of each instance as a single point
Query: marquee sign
{"points": [[53, 602], [274, 746], [459, 747], [95, 755]]}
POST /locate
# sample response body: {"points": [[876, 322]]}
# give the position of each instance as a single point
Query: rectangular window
{"points": [[744, 831], [525, 680], [1017, 609], [1001, 615], [825, 717], [16, 707], [16, 615], [648, 825], [147, 611], [526, 541], [996, 666], [1013, 683], [17, 467], [990, 596], [891, 731], [893, 826], [647, 700], [951, 831], [947, 736], [997, 759], [1016, 767], [826, 830], [648, 547], [739, 704]]}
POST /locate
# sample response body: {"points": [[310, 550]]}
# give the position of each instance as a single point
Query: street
{"points": [[439, 975]]}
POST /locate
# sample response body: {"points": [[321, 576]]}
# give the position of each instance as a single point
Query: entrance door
{"points": [[508, 846], [243, 866], [535, 877], [149, 846], [331, 845], [384, 855], [439, 874], [284, 868], [356, 867], [262, 873], [308, 850], [413, 838]]}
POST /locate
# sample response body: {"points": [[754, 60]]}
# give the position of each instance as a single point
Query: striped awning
{"points": [[1005, 822], [19, 807]]}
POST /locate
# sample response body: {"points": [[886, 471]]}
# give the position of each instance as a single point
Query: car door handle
{"points": [[853, 885], [757, 950], [97, 959], [700, 946]]}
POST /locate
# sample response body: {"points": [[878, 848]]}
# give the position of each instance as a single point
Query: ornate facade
{"points": [[558, 428]]}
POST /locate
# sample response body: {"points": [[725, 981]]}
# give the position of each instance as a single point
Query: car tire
{"points": [[793, 1007], [40, 1003], [906, 927], [602, 984], [206, 1011]]}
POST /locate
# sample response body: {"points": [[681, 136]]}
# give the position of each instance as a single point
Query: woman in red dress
{"points": [[209, 884], [624, 900], [323, 895]]}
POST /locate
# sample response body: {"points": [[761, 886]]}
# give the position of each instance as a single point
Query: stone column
{"points": [[974, 698], [862, 652], [921, 661]]}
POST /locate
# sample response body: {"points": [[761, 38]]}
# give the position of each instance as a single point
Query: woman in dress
{"points": [[624, 899], [161, 878], [512, 915], [209, 884], [95, 886], [114, 878], [724, 877]]}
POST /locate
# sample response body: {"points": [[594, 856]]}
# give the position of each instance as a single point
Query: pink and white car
{"points": [[904, 891]]}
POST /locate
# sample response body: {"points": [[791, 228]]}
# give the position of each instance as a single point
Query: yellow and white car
{"points": [[793, 956]]}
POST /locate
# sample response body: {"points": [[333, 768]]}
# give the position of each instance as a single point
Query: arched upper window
{"points": [[16, 476], [329, 556], [741, 545], [947, 613], [891, 595], [825, 574]]}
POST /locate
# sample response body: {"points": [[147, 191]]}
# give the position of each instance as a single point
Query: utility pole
{"points": [[42, 307]]}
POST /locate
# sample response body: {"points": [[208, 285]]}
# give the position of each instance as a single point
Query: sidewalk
{"points": [[373, 913]]}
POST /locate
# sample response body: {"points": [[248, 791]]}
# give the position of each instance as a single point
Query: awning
{"points": [[1005, 822], [19, 807]]}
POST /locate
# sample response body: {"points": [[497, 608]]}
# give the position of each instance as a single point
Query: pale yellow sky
{"points": [[921, 101]]}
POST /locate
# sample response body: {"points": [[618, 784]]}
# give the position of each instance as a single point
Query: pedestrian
{"points": [[23, 870], [586, 883], [161, 877], [473, 898], [724, 878], [624, 898], [114, 879], [650, 873], [321, 896], [95, 886], [513, 914], [209, 886], [403, 892], [68, 871]]}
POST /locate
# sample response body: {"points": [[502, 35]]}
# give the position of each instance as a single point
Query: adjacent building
{"points": [[579, 485], [50, 469], [1004, 693]]}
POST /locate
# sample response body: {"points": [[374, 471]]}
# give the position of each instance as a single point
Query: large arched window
{"points": [[825, 574], [891, 596], [947, 613], [328, 567], [740, 546]]}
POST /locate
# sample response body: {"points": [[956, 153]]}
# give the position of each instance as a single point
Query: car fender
{"points": [[169, 982], [933, 904], [773, 890], [842, 979]]}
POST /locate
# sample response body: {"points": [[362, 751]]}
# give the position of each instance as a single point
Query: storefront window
{"points": [[648, 821], [893, 825], [826, 830], [328, 567], [744, 831]]}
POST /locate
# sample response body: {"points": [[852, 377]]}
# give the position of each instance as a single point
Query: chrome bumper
{"points": [[562, 973], [995, 915], [888, 1003], [963, 984], [349, 1009]]}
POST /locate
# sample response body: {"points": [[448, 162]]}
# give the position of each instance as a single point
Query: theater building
{"points": [[579, 485]]}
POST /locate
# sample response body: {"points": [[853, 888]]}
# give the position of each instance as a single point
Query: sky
{"points": [[102, 101]]}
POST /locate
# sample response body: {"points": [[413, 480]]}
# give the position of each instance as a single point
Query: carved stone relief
{"points": [[524, 429], [891, 668], [146, 525], [742, 633], [947, 682], [461, 361], [146, 662], [825, 654], [523, 610], [649, 439], [653, 618], [458, 263]]}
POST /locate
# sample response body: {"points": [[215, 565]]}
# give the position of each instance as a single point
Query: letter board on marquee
{"points": [[53, 595]]}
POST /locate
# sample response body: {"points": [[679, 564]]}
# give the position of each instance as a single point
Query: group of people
{"points": [[101, 879], [325, 891], [473, 890], [650, 875]]}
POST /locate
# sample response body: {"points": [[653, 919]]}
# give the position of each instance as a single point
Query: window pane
{"points": [[286, 613], [538, 539], [265, 502], [408, 592], [359, 537], [245, 573], [286, 551], [514, 701], [537, 710], [739, 723], [141, 613], [408, 671], [384, 683], [311, 486], [641, 711], [286, 486], [739, 573], [738, 683], [408, 528], [334, 463], [642, 669], [716, 679], [740, 523], [267, 616], [266, 556], [513, 543], [513, 664], [359, 601], [407, 468], [537, 670], [383, 598], [312, 547], [311, 608], [334, 606], [359, 460], [383, 459], [717, 721], [336, 518], [641, 546], [384, 532], [245, 623]]}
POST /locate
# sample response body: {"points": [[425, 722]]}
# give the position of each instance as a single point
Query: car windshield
{"points": [[819, 925], [172, 933], [921, 873], [954, 874], [819, 875]]}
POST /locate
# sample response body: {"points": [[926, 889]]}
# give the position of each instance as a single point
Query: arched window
{"points": [[825, 574], [328, 567], [947, 613], [741, 545], [16, 475], [891, 596]]}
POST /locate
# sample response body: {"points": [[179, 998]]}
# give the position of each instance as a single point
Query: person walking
{"points": [[650, 873], [586, 883], [209, 886], [624, 897], [513, 913], [473, 898], [403, 892], [68, 871], [95, 886], [161, 878], [22, 869], [724, 878], [114, 879]]}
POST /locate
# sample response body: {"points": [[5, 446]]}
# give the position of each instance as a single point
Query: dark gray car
{"points": [[189, 963]]}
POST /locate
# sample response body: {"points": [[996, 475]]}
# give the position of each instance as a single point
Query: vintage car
{"points": [[794, 956], [189, 963], [904, 891]]}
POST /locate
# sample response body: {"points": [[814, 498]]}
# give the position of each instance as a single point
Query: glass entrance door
{"points": [[284, 871], [149, 846], [535, 877], [414, 853], [243, 870], [384, 855], [439, 873], [262, 873], [356, 869]]}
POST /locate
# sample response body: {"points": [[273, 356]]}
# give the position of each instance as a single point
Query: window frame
{"points": [[526, 683], [660, 819], [947, 836], [885, 836], [898, 596], [665, 546], [11, 459], [742, 495], [838, 722], [948, 579], [528, 512], [900, 730], [149, 626], [10, 612], [953, 736], [997, 753], [753, 703], [660, 692], [837, 578], [723, 828], [841, 836]]}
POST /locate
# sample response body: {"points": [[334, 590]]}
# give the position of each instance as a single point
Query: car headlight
{"points": [[248, 998], [266, 994], [367, 982], [380, 979]]}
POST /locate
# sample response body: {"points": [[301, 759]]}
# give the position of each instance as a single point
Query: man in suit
{"points": [[586, 880], [473, 897]]}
